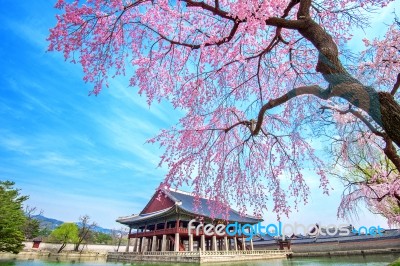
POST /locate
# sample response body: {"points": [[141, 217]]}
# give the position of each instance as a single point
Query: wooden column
{"points": [[203, 242], [154, 243], [226, 243], [142, 244], [127, 245], [135, 248], [251, 244], [129, 240], [243, 243], [235, 243], [150, 241], [214, 243], [164, 243]]}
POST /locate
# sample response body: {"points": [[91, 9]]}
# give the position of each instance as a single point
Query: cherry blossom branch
{"points": [[358, 115], [310, 90], [196, 46]]}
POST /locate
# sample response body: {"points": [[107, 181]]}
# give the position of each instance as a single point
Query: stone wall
{"points": [[51, 247], [346, 246], [393, 243]]}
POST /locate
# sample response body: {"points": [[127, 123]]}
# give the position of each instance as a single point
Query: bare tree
{"points": [[85, 229], [32, 225], [118, 235]]}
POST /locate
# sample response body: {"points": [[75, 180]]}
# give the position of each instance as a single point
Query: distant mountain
{"points": [[98, 229], [52, 224], [46, 222]]}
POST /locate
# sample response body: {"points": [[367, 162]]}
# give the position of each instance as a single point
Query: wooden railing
{"points": [[166, 231], [243, 252], [209, 253], [169, 231]]}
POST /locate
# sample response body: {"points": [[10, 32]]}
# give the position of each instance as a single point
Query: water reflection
{"points": [[370, 260], [7, 263]]}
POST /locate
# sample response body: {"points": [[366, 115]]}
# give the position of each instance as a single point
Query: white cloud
{"points": [[14, 143]]}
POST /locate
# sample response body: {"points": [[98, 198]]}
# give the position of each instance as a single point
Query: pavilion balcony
{"points": [[170, 231]]}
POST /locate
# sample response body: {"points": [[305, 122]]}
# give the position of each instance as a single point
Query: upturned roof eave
{"points": [[142, 217]]}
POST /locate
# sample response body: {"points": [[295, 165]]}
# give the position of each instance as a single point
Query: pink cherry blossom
{"points": [[256, 81]]}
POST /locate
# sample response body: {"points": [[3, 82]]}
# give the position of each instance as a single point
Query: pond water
{"points": [[370, 260]]}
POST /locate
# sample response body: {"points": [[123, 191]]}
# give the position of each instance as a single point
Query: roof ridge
{"points": [[166, 189]]}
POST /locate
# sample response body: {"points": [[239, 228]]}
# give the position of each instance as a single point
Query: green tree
{"points": [[371, 183], [44, 231], [12, 218], [102, 238], [31, 228], [32, 225], [64, 234]]}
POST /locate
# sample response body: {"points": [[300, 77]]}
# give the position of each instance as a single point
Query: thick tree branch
{"points": [[292, 4], [359, 116], [311, 90], [215, 10], [396, 85], [304, 9]]}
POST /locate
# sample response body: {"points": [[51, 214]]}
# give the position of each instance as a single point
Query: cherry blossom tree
{"points": [[368, 180], [257, 80]]}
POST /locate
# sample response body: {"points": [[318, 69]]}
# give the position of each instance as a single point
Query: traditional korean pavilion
{"points": [[163, 225]]}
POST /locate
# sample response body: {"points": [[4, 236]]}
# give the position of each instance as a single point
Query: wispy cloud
{"points": [[53, 159], [14, 143]]}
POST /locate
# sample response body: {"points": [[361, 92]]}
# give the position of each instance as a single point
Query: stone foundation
{"points": [[197, 257]]}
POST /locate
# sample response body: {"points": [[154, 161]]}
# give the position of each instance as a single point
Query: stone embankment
{"points": [[347, 253], [63, 256], [48, 251], [197, 256]]}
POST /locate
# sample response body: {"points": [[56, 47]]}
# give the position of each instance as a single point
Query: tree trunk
{"points": [[381, 106], [62, 247], [390, 113]]}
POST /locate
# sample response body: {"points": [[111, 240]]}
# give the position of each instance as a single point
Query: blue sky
{"points": [[76, 154]]}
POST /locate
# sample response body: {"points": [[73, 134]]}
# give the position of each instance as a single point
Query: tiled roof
{"points": [[186, 202]]}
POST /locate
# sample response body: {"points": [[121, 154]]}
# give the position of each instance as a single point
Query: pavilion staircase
{"points": [[181, 246]]}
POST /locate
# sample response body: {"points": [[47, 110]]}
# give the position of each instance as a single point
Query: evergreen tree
{"points": [[12, 218]]}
